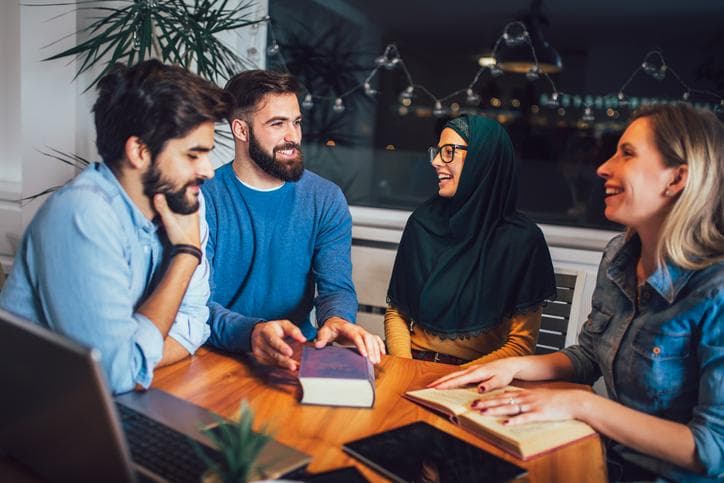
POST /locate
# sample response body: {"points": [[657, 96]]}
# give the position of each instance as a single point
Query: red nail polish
{"points": [[483, 410], [506, 421]]}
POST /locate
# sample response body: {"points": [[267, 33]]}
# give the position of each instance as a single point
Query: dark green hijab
{"points": [[468, 262]]}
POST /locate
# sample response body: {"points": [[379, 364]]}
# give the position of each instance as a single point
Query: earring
{"points": [[667, 193]]}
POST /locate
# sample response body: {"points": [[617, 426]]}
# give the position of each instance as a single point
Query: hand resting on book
{"points": [[528, 405]]}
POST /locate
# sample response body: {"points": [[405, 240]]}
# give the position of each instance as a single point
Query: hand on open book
{"points": [[489, 376], [528, 405]]}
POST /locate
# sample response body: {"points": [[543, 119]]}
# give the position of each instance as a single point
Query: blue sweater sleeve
{"points": [[333, 262], [230, 331]]}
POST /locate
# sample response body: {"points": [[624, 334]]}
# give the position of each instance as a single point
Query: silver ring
{"points": [[520, 409], [512, 401]]}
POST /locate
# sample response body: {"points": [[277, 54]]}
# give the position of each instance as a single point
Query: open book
{"points": [[523, 441]]}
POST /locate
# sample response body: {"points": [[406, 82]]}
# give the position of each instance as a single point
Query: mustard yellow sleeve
{"points": [[397, 334], [521, 340]]}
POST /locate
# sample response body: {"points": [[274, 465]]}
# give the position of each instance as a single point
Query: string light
{"points": [[273, 49], [472, 98], [514, 34], [338, 106], [438, 110], [533, 73], [654, 64], [369, 90]]}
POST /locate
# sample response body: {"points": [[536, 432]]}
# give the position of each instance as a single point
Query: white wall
{"points": [[38, 103]]}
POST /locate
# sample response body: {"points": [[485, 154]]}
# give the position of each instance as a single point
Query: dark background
{"points": [[378, 155]]}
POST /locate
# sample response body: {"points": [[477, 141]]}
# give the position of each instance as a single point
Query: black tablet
{"points": [[420, 452]]}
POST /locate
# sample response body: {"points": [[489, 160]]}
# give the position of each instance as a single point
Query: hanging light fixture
{"points": [[514, 54]]}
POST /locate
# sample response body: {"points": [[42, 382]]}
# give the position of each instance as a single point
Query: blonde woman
{"points": [[656, 331]]}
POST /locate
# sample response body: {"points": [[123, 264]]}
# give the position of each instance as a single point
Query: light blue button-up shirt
{"points": [[660, 351], [87, 261]]}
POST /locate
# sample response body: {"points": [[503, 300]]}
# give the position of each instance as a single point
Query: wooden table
{"points": [[218, 382]]}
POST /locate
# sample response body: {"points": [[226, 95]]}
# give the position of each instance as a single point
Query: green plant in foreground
{"points": [[238, 443]]}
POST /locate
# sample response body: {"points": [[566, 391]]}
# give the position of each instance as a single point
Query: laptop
{"points": [[57, 418]]}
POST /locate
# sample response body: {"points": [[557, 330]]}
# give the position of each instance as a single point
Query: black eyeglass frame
{"points": [[433, 151]]}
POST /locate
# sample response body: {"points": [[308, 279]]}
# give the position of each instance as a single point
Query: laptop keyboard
{"points": [[162, 450]]}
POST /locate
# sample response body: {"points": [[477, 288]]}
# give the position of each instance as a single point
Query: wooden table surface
{"points": [[219, 382]]}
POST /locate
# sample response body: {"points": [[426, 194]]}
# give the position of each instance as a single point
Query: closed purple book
{"points": [[336, 376]]}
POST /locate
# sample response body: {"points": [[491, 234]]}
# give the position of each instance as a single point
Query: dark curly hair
{"points": [[154, 102]]}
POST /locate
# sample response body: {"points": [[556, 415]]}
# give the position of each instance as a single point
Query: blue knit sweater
{"points": [[269, 249]]}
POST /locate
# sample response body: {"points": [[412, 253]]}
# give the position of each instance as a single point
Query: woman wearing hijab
{"points": [[471, 272], [656, 329]]}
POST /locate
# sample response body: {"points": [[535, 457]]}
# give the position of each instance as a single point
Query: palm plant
{"points": [[178, 32], [174, 31]]}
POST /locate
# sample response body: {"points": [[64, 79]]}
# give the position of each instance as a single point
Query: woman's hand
{"points": [[528, 405], [489, 376]]}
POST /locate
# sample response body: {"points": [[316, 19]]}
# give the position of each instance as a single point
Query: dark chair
{"points": [[554, 333]]}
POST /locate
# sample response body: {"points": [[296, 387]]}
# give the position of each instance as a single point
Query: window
{"points": [[374, 146]]}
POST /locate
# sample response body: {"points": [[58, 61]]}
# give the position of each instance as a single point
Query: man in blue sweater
{"points": [[277, 233]]}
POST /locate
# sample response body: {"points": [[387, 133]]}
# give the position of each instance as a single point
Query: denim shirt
{"points": [[87, 261], [663, 355]]}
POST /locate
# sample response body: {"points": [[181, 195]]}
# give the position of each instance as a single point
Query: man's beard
{"points": [[154, 183], [286, 171]]}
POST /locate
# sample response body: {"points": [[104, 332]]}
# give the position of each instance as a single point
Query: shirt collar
{"points": [[139, 221], [667, 280]]}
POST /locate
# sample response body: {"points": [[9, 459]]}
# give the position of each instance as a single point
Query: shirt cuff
{"points": [[708, 449], [150, 343], [584, 372], [190, 334]]}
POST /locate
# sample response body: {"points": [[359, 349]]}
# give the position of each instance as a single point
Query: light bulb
{"points": [[657, 72], [685, 96], [660, 74], [438, 110], [407, 93], [338, 106], [533, 73], [391, 63], [472, 98], [554, 100], [380, 60], [308, 102], [515, 35], [622, 101], [496, 70], [369, 90], [588, 115], [273, 49]]}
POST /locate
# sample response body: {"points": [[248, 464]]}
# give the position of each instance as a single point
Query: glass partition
{"points": [[373, 144]]}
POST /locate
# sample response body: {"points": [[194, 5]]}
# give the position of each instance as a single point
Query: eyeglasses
{"points": [[446, 152]]}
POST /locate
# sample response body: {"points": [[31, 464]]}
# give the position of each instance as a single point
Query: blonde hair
{"points": [[692, 235]]}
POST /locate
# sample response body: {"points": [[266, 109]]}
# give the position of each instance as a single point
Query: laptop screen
{"points": [[56, 413]]}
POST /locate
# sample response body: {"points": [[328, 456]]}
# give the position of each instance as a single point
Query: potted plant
{"points": [[239, 445]]}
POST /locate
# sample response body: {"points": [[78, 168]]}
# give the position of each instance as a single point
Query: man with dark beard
{"points": [[277, 233], [113, 259]]}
